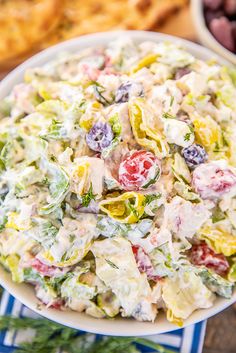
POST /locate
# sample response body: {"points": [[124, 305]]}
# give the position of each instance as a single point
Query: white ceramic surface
{"points": [[25, 293], [205, 35]]}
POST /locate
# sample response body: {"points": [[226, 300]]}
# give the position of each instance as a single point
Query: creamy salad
{"points": [[118, 181]]}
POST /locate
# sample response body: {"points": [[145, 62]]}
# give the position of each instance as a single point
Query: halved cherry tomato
{"points": [[201, 254], [139, 170]]}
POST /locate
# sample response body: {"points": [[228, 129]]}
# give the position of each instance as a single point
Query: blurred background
{"points": [[28, 26]]}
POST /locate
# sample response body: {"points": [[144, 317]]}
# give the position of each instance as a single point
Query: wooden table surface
{"points": [[220, 334]]}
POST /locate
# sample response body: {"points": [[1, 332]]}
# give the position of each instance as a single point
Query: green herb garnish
{"points": [[187, 136], [218, 215], [167, 115], [112, 264], [132, 209], [151, 197], [88, 197], [51, 337]]}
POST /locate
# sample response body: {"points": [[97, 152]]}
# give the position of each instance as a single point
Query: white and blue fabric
{"points": [[186, 340]]}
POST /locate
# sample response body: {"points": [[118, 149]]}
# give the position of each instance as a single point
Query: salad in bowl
{"points": [[118, 181]]}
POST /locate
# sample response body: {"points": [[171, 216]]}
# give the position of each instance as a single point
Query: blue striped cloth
{"points": [[187, 340]]}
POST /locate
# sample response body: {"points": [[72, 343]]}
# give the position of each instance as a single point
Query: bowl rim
{"points": [[204, 33], [24, 292]]}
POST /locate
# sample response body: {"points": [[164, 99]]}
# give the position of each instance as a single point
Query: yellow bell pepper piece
{"points": [[230, 139], [232, 273], [76, 256], [16, 223], [12, 262], [81, 178], [144, 134], [146, 61], [207, 132], [87, 121], [221, 242], [126, 208], [172, 318], [96, 105]]}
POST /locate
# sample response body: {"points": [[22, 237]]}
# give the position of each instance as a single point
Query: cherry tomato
{"points": [[213, 180], [139, 170], [201, 254]]}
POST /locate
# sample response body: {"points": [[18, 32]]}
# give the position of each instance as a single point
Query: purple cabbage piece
{"points": [[99, 136]]}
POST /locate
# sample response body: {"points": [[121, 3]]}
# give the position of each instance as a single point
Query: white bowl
{"points": [[24, 292], [205, 35]]}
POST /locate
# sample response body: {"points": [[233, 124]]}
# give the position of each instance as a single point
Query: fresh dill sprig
{"points": [[167, 115], [50, 337], [88, 197], [151, 197]]}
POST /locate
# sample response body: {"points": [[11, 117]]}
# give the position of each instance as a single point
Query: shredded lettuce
{"points": [[58, 186], [216, 283]]}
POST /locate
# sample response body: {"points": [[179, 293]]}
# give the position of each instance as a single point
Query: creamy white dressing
{"points": [[53, 183]]}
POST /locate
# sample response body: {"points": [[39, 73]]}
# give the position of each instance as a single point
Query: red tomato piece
{"points": [[213, 180], [201, 254], [43, 269], [139, 170], [57, 304]]}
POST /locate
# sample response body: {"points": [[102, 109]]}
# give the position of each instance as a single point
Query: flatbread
{"points": [[26, 22], [27, 26], [88, 16]]}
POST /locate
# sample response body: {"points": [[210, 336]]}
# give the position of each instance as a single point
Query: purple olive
{"points": [[221, 29], [194, 155], [233, 24], [128, 90], [212, 4], [181, 72], [210, 15], [99, 136], [230, 7]]}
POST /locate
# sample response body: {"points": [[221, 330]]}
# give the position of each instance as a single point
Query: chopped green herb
{"points": [[4, 221], [88, 197], [224, 140], [151, 197], [171, 100], [217, 147], [218, 216], [167, 115], [112, 264], [132, 209], [72, 238], [191, 128], [187, 136], [98, 90]]}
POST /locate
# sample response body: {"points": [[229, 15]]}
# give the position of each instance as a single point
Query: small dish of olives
{"points": [[215, 22]]}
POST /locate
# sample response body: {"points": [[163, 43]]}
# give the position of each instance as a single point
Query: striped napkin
{"points": [[186, 340]]}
